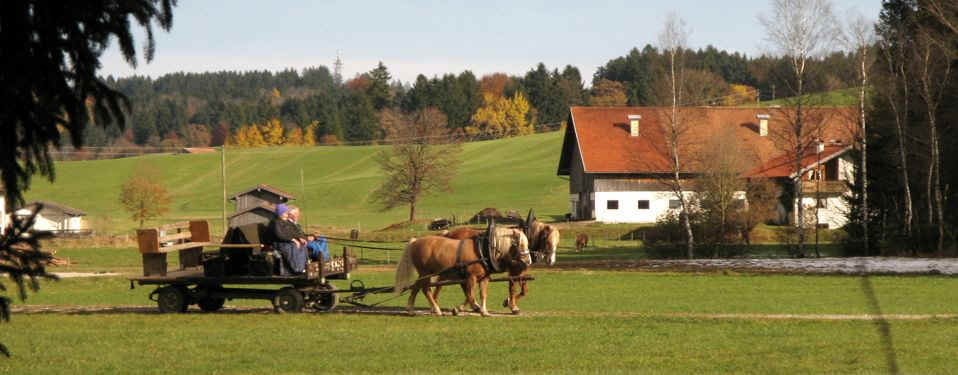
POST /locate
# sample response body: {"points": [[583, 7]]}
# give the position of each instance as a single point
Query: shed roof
{"points": [[266, 188], [53, 206]]}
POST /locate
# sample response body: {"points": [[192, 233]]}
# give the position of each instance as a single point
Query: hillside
{"points": [[514, 173], [841, 97]]}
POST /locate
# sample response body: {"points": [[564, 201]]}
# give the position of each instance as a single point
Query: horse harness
{"points": [[486, 248]]}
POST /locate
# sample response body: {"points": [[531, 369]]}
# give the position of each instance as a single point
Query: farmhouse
{"points": [[617, 158], [54, 217]]}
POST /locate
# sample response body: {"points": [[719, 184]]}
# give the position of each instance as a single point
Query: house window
{"points": [[612, 205], [674, 203], [644, 205], [822, 202]]}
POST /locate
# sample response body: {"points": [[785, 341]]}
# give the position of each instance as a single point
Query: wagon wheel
{"points": [[325, 300], [210, 304], [171, 299], [288, 300], [207, 302]]}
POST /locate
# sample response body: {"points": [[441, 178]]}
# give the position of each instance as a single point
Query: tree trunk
{"points": [[901, 117], [412, 211], [866, 219]]}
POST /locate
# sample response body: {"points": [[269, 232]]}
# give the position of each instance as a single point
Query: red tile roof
{"points": [[783, 165], [602, 135]]}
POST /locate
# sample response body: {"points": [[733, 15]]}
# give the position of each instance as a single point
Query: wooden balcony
{"points": [[824, 187]]}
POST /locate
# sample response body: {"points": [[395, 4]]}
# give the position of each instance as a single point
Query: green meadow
{"points": [[335, 189]]}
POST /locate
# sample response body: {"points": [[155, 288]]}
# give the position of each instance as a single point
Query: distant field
{"points": [[515, 173], [843, 97]]}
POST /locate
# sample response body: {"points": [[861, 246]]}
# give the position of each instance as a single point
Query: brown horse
{"points": [[543, 242], [435, 257], [581, 241]]}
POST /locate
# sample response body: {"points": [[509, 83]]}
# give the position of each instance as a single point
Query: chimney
{"points": [[634, 125], [821, 146], [763, 124]]}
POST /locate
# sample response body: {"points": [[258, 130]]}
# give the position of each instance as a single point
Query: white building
{"points": [[618, 165], [4, 218], [54, 217]]}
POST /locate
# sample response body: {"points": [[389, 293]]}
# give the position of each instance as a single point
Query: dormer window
{"points": [[763, 124], [634, 125]]}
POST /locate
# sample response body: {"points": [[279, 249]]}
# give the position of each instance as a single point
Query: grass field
{"points": [[514, 173], [574, 320]]}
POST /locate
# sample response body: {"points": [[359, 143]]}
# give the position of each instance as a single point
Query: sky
{"points": [[438, 37]]}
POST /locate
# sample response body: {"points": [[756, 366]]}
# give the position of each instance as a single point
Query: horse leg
{"points": [[512, 297], [432, 301], [483, 289], [412, 299], [435, 293], [468, 289]]}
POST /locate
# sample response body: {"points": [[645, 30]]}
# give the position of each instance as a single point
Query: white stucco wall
{"points": [[628, 211], [834, 214], [54, 223], [4, 220]]}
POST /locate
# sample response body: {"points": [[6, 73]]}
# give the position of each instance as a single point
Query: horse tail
{"points": [[405, 269]]}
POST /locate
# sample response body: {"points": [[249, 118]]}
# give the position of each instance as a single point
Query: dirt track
{"points": [[398, 311]]}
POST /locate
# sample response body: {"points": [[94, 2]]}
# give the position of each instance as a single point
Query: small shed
{"points": [[254, 215], [261, 195], [54, 217]]}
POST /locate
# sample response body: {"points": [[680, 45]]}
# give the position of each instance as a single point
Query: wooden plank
{"points": [[175, 237], [172, 226], [200, 230], [185, 245], [154, 264], [148, 240]]}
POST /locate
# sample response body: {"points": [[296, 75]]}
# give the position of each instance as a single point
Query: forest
{"points": [[318, 106]]}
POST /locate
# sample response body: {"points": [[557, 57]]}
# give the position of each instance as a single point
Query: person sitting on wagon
{"points": [[290, 241], [316, 246]]}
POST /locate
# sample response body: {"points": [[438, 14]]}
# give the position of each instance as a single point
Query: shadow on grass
{"points": [[884, 329]]}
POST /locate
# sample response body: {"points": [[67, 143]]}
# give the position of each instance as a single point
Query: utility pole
{"points": [[302, 196], [223, 179]]}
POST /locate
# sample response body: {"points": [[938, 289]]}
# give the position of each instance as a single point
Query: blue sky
{"points": [[436, 37]]}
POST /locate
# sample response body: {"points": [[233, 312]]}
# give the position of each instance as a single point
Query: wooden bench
{"points": [[186, 237]]}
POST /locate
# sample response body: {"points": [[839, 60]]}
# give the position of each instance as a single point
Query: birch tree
{"points": [[672, 41], [894, 46], [859, 37], [799, 30], [934, 70]]}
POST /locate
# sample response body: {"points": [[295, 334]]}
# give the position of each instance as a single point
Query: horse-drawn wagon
{"points": [[243, 267], [241, 259]]}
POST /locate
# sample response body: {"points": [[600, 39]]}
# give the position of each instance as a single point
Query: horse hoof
{"points": [[485, 314], [455, 311], [515, 312], [505, 303]]}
